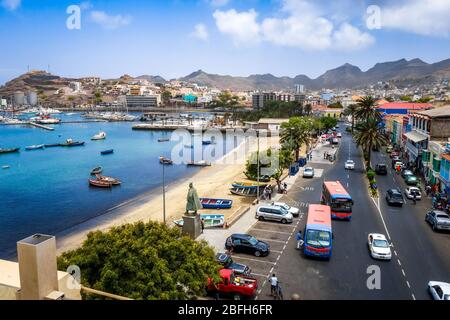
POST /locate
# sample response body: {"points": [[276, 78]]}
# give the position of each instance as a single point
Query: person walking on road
{"points": [[299, 239], [273, 285], [414, 198]]}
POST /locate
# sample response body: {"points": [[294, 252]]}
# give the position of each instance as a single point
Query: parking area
{"points": [[277, 235]]}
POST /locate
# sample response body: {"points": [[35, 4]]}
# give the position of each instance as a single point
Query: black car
{"points": [[227, 262], [394, 197], [246, 243], [381, 169]]}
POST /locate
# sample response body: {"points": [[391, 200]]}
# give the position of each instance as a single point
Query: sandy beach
{"points": [[210, 182]]}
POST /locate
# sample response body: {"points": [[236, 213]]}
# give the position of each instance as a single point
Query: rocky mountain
{"points": [[154, 79]]}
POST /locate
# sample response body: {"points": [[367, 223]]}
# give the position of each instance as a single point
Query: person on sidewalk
{"points": [[203, 224], [273, 285], [285, 187]]}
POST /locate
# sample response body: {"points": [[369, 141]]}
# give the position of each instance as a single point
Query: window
{"points": [[318, 238], [438, 291]]}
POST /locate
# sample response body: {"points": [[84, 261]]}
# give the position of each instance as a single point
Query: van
{"points": [[273, 213]]}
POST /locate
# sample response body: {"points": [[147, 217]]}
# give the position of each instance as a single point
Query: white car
{"points": [[292, 210], [350, 165], [308, 172], [379, 247], [410, 191], [439, 290], [339, 135]]}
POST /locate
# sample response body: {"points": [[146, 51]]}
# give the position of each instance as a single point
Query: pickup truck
{"points": [[236, 286]]}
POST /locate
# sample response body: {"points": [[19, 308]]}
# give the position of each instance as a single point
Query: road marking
{"points": [[348, 176], [273, 224], [399, 263], [264, 230], [250, 259], [414, 298], [276, 251], [259, 275], [284, 248], [279, 241], [403, 271], [407, 283], [382, 219], [395, 252]]}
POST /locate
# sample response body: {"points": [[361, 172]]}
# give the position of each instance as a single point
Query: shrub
{"points": [[370, 174]]}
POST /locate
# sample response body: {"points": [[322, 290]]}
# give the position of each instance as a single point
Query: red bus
{"points": [[318, 233], [335, 196]]}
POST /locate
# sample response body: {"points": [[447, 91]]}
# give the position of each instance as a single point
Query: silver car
{"points": [[273, 213], [308, 172]]}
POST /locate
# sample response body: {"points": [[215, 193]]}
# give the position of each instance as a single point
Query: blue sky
{"points": [[173, 38]]}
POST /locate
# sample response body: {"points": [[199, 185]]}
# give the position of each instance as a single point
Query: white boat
{"points": [[100, 136]]}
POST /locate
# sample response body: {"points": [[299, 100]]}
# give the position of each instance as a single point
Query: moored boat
{"points": [[71, 143], [113, 181], [100, 136], [107, 151], [164, 160], [209, 220], [96, 171], [99, 183], [6, 167], [12, 150], [201, 163], [210, 203], [35, 147]]}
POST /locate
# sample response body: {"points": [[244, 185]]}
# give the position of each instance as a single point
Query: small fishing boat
{"points": [[163, 160], [54, 145], [100, 136], [99, 183], [248, 184], [35, 147], [210, 221], [107, 151], [71, 143], [113, 181], [163, 139], [209, 203], [6, 167], [13, 150], [201, 163], [96, 171], [246, 191]]}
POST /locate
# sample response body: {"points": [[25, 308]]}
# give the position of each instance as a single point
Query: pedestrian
{"points": [[273, 285], [414, 198], [299, 239], [270, 191], [428, 190], [325, 155], [203, 224]]}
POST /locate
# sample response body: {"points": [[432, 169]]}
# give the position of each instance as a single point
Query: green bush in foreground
{"points": [[143, 261]]}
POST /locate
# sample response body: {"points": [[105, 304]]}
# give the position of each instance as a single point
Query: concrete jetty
{"points": [[37, 125]]}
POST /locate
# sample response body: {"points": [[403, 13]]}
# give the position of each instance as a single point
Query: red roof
{"points": [[406, 105]]}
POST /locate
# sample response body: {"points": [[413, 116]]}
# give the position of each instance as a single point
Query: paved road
{"points": [[419, 256]]}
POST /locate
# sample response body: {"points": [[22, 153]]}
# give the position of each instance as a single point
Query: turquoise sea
{"points": [[47, 191]]}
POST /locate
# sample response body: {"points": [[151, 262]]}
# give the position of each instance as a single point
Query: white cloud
{"points": [[300, 24], [200, 32], [11, 4], [241, 26], [86, 5], [431, 17], [218, 3], [110, 21]]}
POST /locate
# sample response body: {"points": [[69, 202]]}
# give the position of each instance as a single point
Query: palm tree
{"points": [[295, 133], [369, 135], [367, 108], [351, 111]]}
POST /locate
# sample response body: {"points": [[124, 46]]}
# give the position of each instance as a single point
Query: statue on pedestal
{"points": [[193, 202]]}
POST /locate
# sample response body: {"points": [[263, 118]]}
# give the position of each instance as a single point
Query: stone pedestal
{"points": [[192, 226]]}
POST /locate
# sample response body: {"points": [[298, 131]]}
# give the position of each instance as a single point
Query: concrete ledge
{"points": [[236, 216]]}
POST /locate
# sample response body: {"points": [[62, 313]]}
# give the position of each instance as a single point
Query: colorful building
{"points": [[402, 107]]}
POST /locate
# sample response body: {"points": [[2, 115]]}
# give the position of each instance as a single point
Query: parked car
{"points": [[233, 285], [292, 210], [339, 135], [274, 213], [411, 191], [406, 173], [394, 154], [438, 220], [335, 141], [308, 172], [379, 247], [439, 290], [394, 197], [411, 180], [381, 169], [349, 164], [246, 243], [227, 262]]}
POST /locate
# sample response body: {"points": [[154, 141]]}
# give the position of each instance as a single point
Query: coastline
{"points": [[213, 182]]}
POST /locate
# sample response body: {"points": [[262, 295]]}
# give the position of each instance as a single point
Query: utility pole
{"points": [[164, 194], [257, 166]]}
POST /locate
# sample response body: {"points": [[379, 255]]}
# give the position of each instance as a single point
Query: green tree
{"points": [[97, 97], [166, 96], [405, 98], [328, 122], [144, 261], [351, 111], [367, 108], [295, 133], [369, 135]]}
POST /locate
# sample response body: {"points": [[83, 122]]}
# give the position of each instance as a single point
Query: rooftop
{"points": [[405, 105], [437, 112]]}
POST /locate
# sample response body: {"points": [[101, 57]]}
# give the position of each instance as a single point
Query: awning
{"points": [[415, 136]]}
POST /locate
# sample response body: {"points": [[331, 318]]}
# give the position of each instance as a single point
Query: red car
{"points": [[236, 286]]}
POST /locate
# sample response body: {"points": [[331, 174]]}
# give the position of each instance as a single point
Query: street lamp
{"points": [[164, 194], [257, 168]]}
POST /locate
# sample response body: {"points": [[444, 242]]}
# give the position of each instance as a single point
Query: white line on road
{"points": [[395, 252], [404, 274], [276, 251], [412, 295], [382, 219], [259, 275], [264, 230], [399, 263], [278, 241], [407, 283], [250, 259], [273, 224]]}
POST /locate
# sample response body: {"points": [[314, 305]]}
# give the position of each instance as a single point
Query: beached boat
{"points": [[35, 147], [105, 152], [163, 139], [100, 136], [13, 150], [113, 181], [248, 184], [201, 163], [246, 191], [99, 183], [96, 171], [210, 220], [163, 160], [209, 203]]}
